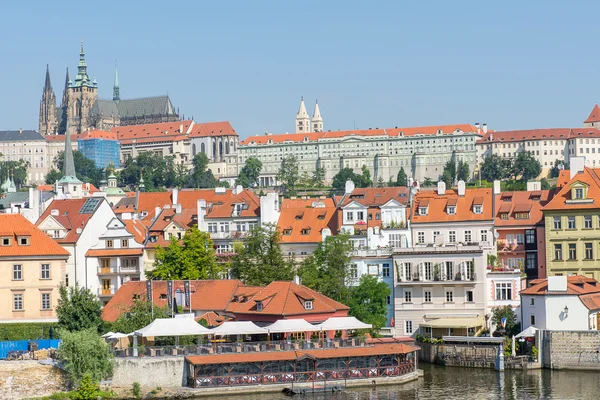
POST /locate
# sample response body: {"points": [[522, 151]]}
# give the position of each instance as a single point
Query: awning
{"points": [[117, 335], [529, 332], [291, 325], [172, 327], [523, 207], [342, 323], [505, 208], [238, 328], [472, 322]]}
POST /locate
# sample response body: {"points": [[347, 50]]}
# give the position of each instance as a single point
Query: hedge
{"points": [[27, 330]]}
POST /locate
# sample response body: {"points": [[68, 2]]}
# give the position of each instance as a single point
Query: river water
{"points": [[470, 383]]}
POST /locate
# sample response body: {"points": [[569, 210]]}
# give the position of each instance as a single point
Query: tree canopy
{"points": [[318, 177], [360, 181], [462, 171], [259, 259], [557, 167], [193, 258], [78, 309], [85, 169], [401, 179], [138, 315], [368, 301], [17, 170], [289, 174], [526, 166], [250, 172], [495, 168], [512, 326]]}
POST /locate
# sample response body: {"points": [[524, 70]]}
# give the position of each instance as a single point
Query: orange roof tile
{"points": [[390, 132], [61, 138], [45, 188], [563, 178], [594, 115], [97, 134], [212, 295], [437, 211], [562, 200], [537, 134], [68, 216], [522, 202], [113, 252], [294, 219], [40, 244], [212, 319], [171, 131], [576, 285], [137, 229], [212, 129]]}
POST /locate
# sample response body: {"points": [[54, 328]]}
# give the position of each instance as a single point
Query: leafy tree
{"points": [[305, 180], [495, 168], [449, 174], [85, 353], [289, 174], [85, 169], [427, 182], [138, 315], [194, 258], [402, 179], [53, 176], [368, 301], [545, 184], [380, 182], [17, 170], [462, 171], [78, 309], [557, 167], [327, 269], [365, 177], [318, 177], [512, 326], [339, 180], [526, 166], [447, 178], [250, 173], [260, 261]]}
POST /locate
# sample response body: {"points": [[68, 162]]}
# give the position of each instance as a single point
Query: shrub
{"points": [[137, 390], [27, 331]]}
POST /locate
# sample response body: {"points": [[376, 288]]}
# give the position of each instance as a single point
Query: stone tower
{"points": [[317, 120], [302, 119], [82, 94], [48, 120]]}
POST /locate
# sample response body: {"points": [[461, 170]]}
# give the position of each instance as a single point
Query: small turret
{"points": [[302, 119], [317, 120]]}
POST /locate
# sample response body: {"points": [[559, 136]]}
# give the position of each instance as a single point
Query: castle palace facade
{"points": [[82, 109]]}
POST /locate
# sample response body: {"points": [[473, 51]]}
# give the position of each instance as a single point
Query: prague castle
{"points": [[82, 109]]}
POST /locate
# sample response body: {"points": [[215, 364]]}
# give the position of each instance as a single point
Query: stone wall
{"points": [[26, 379], [150, 372], [571, 349], [459, 354]]}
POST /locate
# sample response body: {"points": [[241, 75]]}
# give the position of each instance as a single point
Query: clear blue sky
{"points": [[380, 63]]}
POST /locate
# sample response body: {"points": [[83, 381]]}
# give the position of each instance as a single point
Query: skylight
{"points": [[90, 205]]}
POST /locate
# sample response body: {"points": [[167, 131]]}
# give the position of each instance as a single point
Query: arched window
{"points": [[194, 149], [214, 154], [226, 147], [202, 149], [220, 148]]}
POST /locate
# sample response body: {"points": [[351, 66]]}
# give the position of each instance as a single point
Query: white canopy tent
{"points": [[238, 328], [117, 335], [291, 326], [529, 332], [172, 327], [107, 334], [342, 323]]}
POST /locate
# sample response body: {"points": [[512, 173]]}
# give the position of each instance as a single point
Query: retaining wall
{"points": [[571, 350], [459, 354], [150, 372], [27, 379]]}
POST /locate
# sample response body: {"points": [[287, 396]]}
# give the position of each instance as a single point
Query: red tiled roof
{"points": [[563, 178], [45, 188], [146, 133], [390, 132], [589, 177], [342, 352], [576, 285], [537, 134], [437, 211], [594, 115], [212, 318], [297, 216], [61, 138], [98, 134], [40, 244], [137, 229], [522, 202], [285, 299], [213, 295], [372, 197], [211, 129], [113, 252], [69, 217]]}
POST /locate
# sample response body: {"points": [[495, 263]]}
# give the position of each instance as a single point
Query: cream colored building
{"points": [[32, 268]]}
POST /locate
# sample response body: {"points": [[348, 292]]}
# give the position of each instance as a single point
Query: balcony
{"points": [[432, 279], [228, 235], [114, 270], [102, 292], [394, 225], [509, 247], [471, 247], [384, 252]]}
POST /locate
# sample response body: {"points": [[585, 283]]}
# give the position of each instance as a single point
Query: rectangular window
{"points": [[436, 235], [17, 272], [408, 327], [522, 216], [308, 305], [531, 262], [427, 269], [520, 238], [484, 234], [532, 301], [46, 301], [469, 298], [451, 210], [212, 227], [109, 243], [452, 236], [388, 300], [530, 236], [589, 253], [353, 271], [395, 240], [45, 271], [579, 193], [572, 251], [17, 302], [449, 296], [422, 210], [477, 209], [558, 252], [571, 223], [532, 320], [427, 296], [420, 237], [359, 215], [408, 296], [468, 237], [557, 223], [587, 221], [428, 330], [125, 243], [503, 291], [386, 270], [350, 216]]}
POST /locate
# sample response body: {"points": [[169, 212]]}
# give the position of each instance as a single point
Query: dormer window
{"points": [[308, 305], [109, 244], [259, 306], [522, 215], [23, 240], [350, 216], [6, 241], [451, 210], [422, 210], [478, 209], [299, 216], [322, 216], [287, 232], [305, 231]]}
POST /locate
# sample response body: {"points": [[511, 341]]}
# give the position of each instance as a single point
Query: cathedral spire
{"points": [[48, 121], [116, 91], [82, 78], [47, 84]]}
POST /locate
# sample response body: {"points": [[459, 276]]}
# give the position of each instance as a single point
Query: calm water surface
{"points": [[470, 383]]}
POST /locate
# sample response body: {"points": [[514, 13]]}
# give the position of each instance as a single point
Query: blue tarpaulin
{"points": [[22, 345]]}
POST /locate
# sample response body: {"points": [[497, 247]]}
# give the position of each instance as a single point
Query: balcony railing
{"points": [[417, 277], [228, 235], [105, 292], [384, 252], [118, 270], [443, 248]]}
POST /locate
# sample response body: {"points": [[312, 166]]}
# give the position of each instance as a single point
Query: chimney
{"points": [[349, 186], [175, 197], [477, 127], [156, 212], [577, 165], [201, 210], [534, 185], [238, 189], [325, 232], [461, 188], [496, 187], [31, 198], [178, 208], [269, 209], [484, 128], [296, 279], [441, 188]]}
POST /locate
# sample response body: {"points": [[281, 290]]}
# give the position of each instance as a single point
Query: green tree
{"points": [[289, 174], [449, 174], [557, 167], [365, 178], [380, 182], [368, 301], [138, 315], [318, 177], [17, 170], [327, 269], [259, 260], [462, 171], [402, 179], [526, 166], [78, 309], [339, 180], [85, 169], [512, 326], [305, 180], [495, 168], [447, 178], [427, 181], [545, 184], [194, 258], [85, 353], [53, 176], [250, 173]]}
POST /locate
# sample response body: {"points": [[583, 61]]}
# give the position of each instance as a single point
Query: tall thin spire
{"points": [[82, 78], [47, 84], [302, 118], [317, 119], [69, 163], [116, 91]]}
